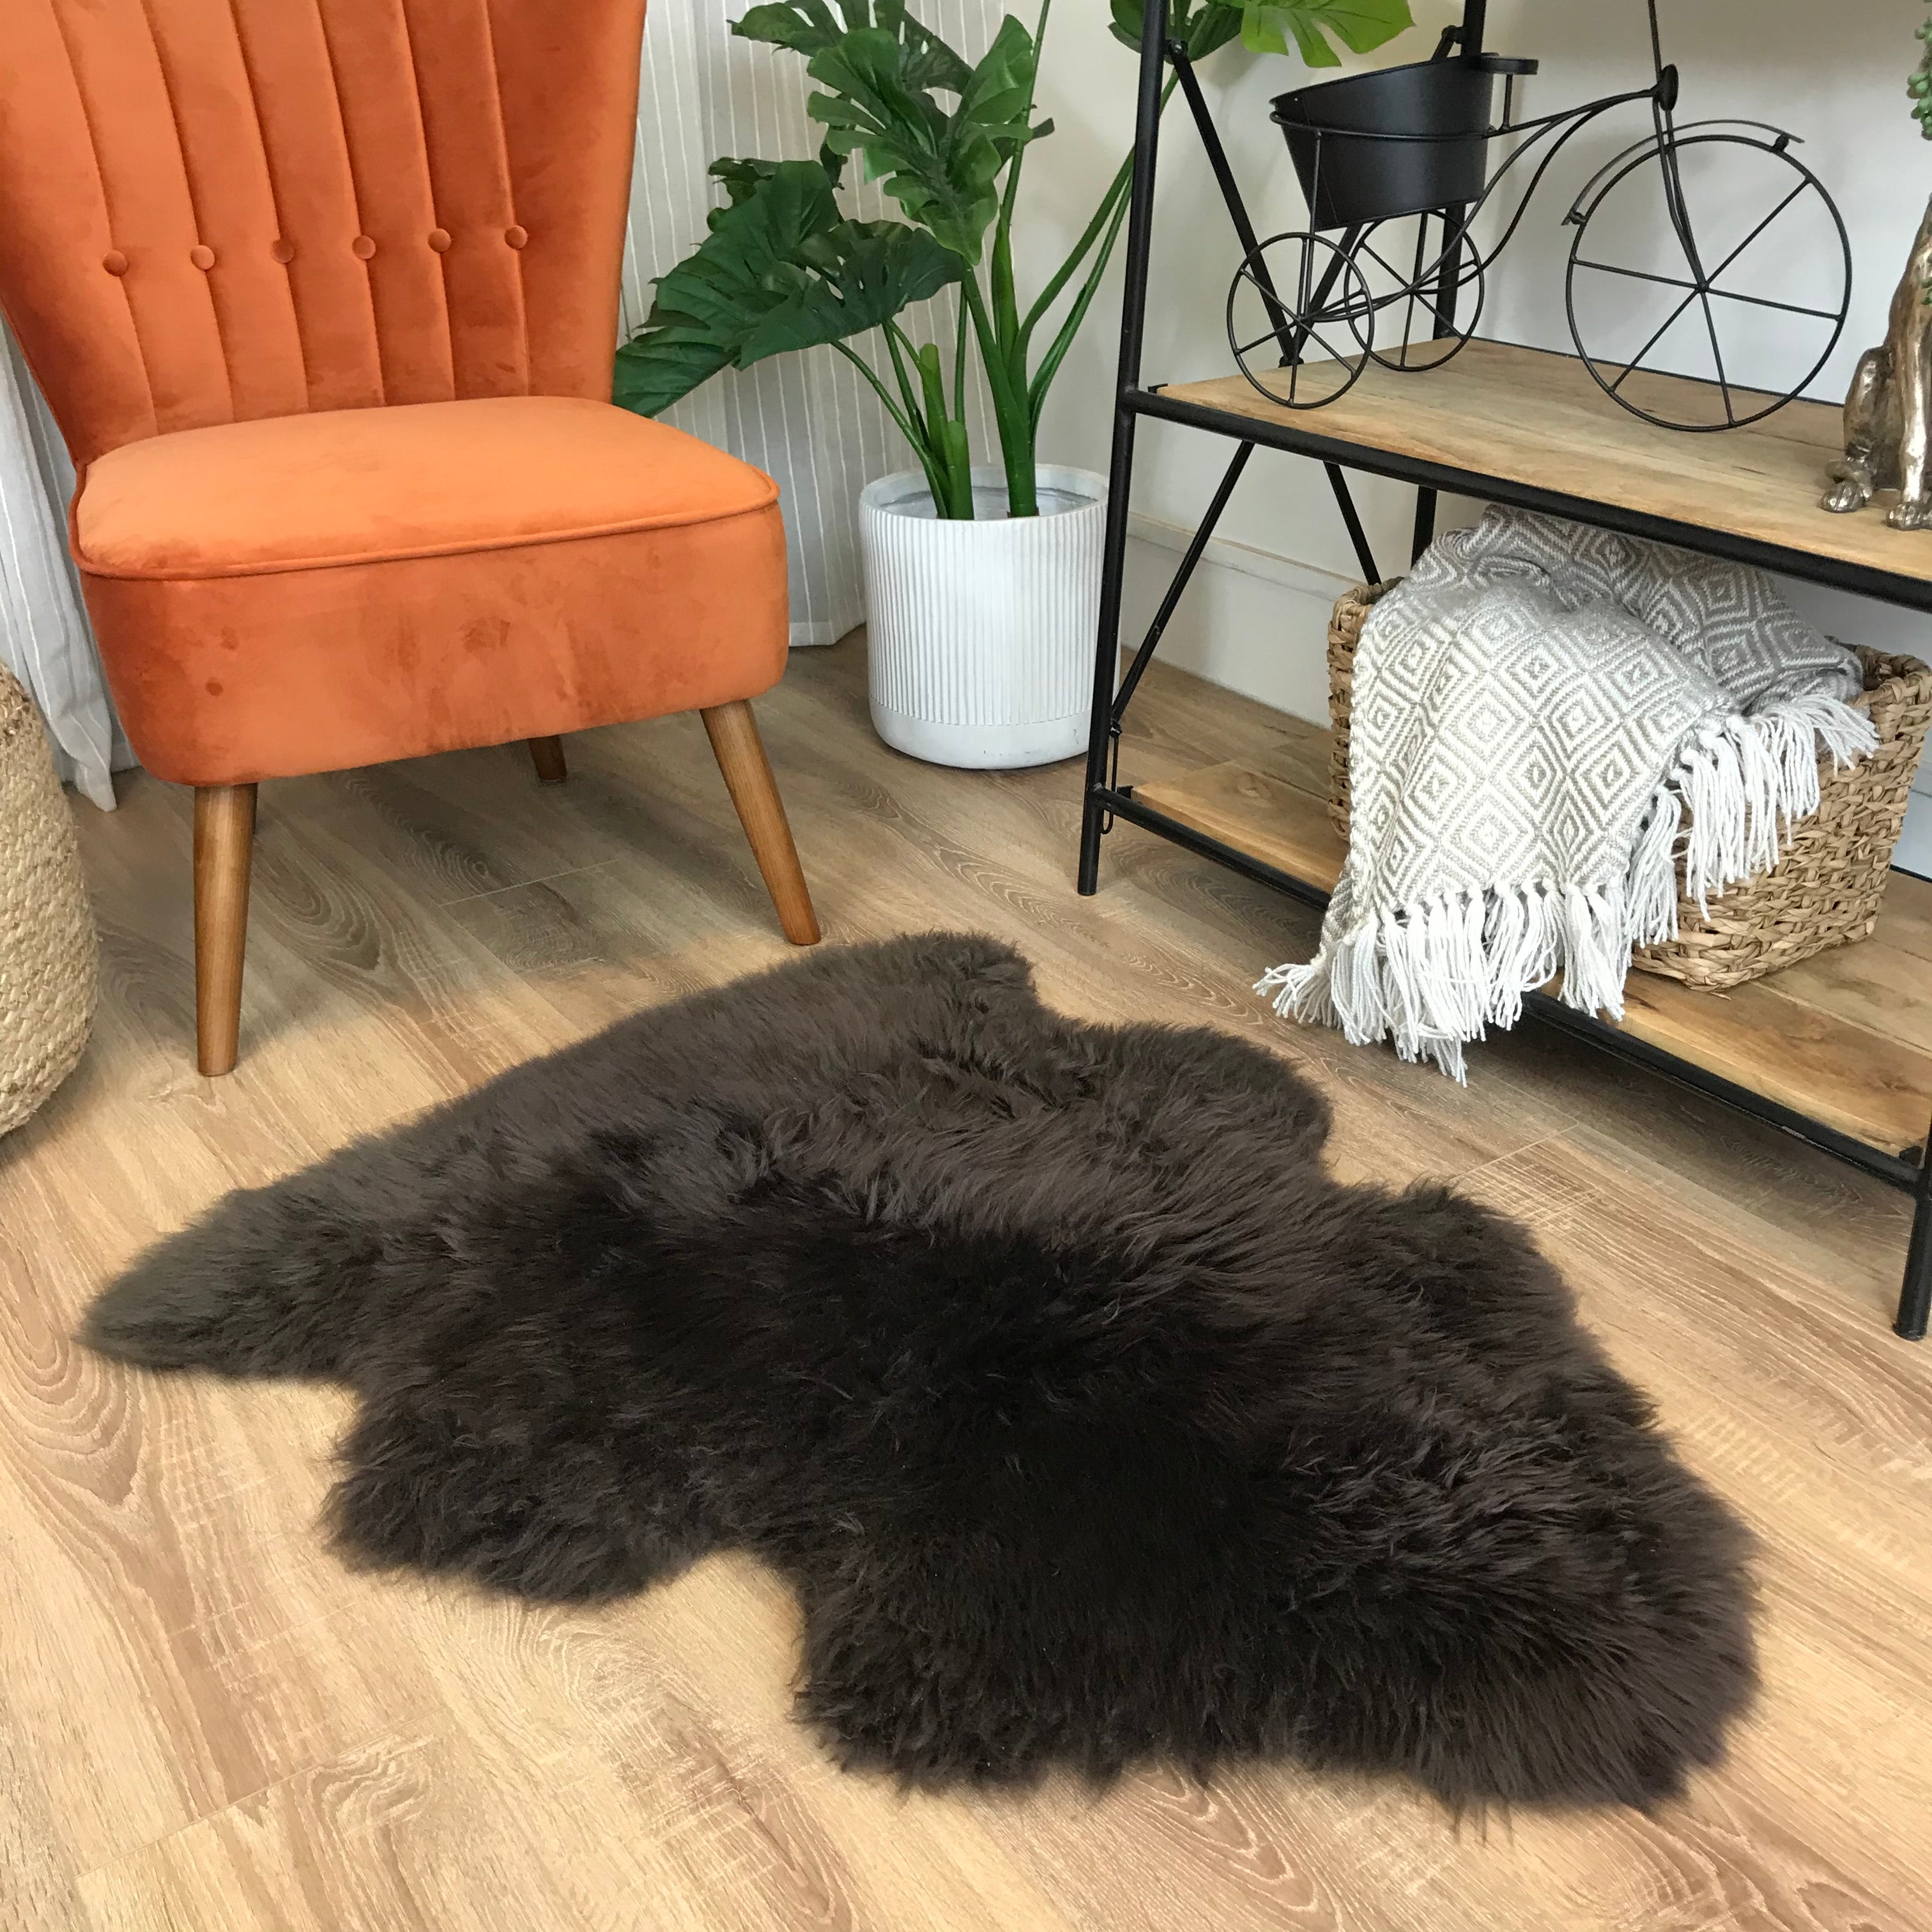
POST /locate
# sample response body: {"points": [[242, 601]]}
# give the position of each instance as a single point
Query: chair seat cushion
{"points": [[425, 479], [307, 593]]}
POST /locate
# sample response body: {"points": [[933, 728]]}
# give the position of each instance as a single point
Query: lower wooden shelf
{"points": [[1845, 1038]]}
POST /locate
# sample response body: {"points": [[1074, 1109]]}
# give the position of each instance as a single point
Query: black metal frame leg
{"points": [[1425, 524], [1915, 1297], [1110, 705], [1106, 657], [1114, 555]]}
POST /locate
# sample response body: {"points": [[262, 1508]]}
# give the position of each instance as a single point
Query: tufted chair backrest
{"points": [[212, 210]]}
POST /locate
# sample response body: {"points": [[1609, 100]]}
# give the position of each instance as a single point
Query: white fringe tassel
{"points": [[1435, 972]]}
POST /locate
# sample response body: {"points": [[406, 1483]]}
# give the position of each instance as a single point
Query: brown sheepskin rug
{"points": [[1090, 1419]]}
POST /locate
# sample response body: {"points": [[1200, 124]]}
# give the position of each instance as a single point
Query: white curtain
{"points": [[44, 638], [810, 420]]}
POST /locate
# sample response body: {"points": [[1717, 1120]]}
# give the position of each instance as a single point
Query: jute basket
{"points": [[47, 946], [1825, 889]]}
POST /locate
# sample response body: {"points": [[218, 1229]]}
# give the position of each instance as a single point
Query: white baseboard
{"points": [[1252, 621], [1225, 554]]}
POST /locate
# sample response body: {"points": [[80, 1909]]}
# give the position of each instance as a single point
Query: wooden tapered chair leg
{"points": [[547, 755], [224, 827], [748, 777]]}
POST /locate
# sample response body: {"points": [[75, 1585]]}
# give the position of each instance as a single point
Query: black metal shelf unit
{"points": [[1105, 798]]}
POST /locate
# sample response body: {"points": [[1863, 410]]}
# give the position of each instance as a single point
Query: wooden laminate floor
{"points": [[206, 1723]]}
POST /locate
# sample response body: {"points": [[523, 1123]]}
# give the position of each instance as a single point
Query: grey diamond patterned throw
{"points": [[1548, 721]]}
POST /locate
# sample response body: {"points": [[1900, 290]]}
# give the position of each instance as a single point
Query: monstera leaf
{"points": [[743, 177], [879, 72], [857, 276], [808, 27], [780, 269], [1267, 26], [711, 300], [940, 168], [1202, 26], [1361, 25]]}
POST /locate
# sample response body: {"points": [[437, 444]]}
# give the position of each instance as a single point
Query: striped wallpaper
{"points": [[810, 420]]}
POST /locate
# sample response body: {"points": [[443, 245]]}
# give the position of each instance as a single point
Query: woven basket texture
{"points": [[1825, 888], [48, 951]]}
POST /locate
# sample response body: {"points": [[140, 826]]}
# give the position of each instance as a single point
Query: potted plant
{"points": [[982, 580]]}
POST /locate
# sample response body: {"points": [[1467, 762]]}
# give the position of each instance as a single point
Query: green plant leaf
{"points": [[707, 305], [810, 26], [878, 71], [940, 168], [780, 269], [743, 176], [1361, 25], [1270, 26], [929, 62], [803, 25], [857, 276], [1202, 26]]}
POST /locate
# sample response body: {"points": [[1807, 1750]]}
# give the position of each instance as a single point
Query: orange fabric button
{"points": [[516, 237], [363, 247], [439, 239], [115, 262], [282, 251], [202, 256]]}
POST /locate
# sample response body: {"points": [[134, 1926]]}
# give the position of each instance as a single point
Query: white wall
{"points": [[1256, 618]]}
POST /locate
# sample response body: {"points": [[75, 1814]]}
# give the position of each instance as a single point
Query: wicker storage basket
{"points": [[47, 946], [1825, 889]]}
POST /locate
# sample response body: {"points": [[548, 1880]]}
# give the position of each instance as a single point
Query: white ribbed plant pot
{"points": [[981, 633]]}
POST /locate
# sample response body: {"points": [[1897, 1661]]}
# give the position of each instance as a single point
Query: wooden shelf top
{"points": [[1527, 426], [1845, 1037]]}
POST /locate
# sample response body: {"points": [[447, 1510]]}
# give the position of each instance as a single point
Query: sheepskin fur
{"points": [[1090, 1419]]}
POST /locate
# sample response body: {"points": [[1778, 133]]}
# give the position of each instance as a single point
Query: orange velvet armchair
{"points": [[323, 295]]}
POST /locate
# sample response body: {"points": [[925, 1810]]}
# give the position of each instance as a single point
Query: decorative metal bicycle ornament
{"points": [[1680, 263]]}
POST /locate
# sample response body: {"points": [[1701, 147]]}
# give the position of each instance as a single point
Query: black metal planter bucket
{"points": [[1394, 142]]}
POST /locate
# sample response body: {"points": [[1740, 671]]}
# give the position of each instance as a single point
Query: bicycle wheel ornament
{"points": [[1300, 320], [1425, 287], [1683, 264]]}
